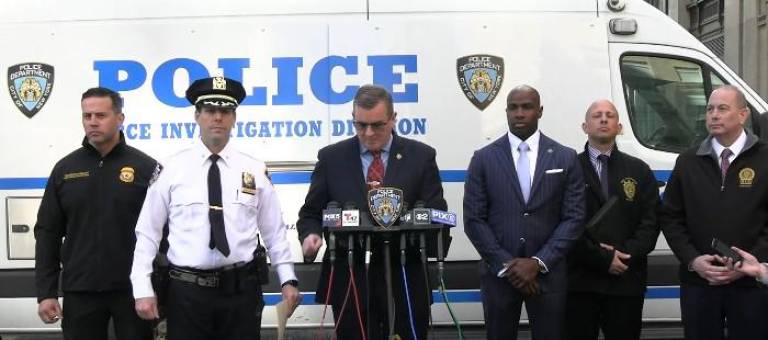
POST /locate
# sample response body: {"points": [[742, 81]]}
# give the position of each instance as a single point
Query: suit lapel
{"points": [[394, 161], [504, 157], [356, 165], [543, 162]]}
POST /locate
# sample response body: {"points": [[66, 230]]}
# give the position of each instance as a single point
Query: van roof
{"points": [[88, 10]]}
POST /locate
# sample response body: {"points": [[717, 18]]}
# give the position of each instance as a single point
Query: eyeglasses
{"points": [[376, 126]]}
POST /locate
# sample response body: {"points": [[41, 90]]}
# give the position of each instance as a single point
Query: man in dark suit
{"points": [[523, 208], [343, 173], [715, 191], [607, 267]]}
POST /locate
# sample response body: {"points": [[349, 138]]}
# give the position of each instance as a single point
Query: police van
{"points": [[448, 64]]}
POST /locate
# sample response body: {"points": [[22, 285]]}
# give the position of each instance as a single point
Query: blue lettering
{"points": [[420, 126], [250, 129], [384, 75], [404, 126], [300, 128], [314, 127], [130, 131], [162, 81], [320, 79], [278, 126], [120, 75], [337, 128], [264, 131], [232, 68], [144, 131], [287, 81]]}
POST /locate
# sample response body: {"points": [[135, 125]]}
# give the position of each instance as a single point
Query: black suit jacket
{"points": [[631, 226], [338, 176]]}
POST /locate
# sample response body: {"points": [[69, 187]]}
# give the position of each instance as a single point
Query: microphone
{"points": [[332, 215], [350, 216], [442, 217]]}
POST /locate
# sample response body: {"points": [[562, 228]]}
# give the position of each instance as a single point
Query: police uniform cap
{"points": [[216, 91]]}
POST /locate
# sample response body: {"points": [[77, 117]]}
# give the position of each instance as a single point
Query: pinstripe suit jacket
{"points": [[502, 226]]}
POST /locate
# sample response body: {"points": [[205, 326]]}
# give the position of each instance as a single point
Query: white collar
{"points": [[532, 141], [736, 147]]}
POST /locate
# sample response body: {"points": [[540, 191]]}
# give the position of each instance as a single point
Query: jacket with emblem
{"points": [[629, 226], [85, 224], [699, 205]]}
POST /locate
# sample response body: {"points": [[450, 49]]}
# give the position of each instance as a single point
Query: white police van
{"points": [[449, 65]]}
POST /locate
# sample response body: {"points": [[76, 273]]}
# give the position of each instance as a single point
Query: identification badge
{"points": [[249, 184]]}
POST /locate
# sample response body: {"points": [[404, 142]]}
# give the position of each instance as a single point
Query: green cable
{"points": [[450, 310]]}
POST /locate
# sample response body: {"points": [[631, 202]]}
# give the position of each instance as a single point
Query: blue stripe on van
{"points": [[473, 296], [278, 177]]}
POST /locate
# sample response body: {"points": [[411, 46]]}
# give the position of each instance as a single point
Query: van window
{"points": [[666, 99]]}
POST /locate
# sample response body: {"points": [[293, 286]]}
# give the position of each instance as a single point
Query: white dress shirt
{"points": [[735, 148], [180, 197]]}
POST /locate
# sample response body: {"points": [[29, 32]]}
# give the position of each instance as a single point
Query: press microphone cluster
{"points": [[425, 216], [334, 216]]}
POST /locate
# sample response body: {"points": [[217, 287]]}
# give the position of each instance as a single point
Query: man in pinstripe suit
{"points": [[523, 209]]}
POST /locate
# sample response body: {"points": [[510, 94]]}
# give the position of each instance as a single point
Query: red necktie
{"points": [[375, 175]]}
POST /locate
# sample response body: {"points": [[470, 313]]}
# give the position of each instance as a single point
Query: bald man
{"points": [[718, 189], [607, 267]]}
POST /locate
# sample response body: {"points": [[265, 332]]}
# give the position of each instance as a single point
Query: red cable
{"points": [[319, 334], [343, 306], [357, 303]]}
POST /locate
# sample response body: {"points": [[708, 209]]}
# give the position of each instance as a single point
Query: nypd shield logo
{"points": [[30, 85], [385, 205], [480, 78]]}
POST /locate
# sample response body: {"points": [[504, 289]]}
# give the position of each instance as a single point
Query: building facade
{"points": [[735, 30]]}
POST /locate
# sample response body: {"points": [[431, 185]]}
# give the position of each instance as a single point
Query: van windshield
{"points": [[666, 99]]}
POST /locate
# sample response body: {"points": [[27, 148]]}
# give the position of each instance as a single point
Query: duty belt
{"points": [[210, 280]]}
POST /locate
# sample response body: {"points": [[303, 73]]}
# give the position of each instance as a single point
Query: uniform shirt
{"points": [[92, 203], [180, 197]]}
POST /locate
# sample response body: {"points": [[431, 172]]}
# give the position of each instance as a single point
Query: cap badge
{"points": [[219, 83]]}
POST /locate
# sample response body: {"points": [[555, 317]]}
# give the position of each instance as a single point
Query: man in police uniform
{"points": [[718, 190], [92, 200], [214, 199], [607, 267]]}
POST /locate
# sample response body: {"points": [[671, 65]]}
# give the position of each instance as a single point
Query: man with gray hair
{"points": [[718, 190]]}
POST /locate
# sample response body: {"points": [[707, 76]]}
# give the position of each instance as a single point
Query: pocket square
{"points": [[553, 171]]}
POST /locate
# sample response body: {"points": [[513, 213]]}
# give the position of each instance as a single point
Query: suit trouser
{"points": [[502, 304], [202, 313], [620, 317], [86, 316], [724, 312], [375, 319]]}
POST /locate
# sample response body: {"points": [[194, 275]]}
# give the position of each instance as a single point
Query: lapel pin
{"points": [[549, 150], [399, 156]]}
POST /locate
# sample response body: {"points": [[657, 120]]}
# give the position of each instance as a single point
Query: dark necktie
{"points": [[216, 209], [724, 162], [603, 159], [375, 170]]}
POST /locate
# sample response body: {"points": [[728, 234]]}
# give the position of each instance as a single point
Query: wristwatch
{"points": [[293, 283]]}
